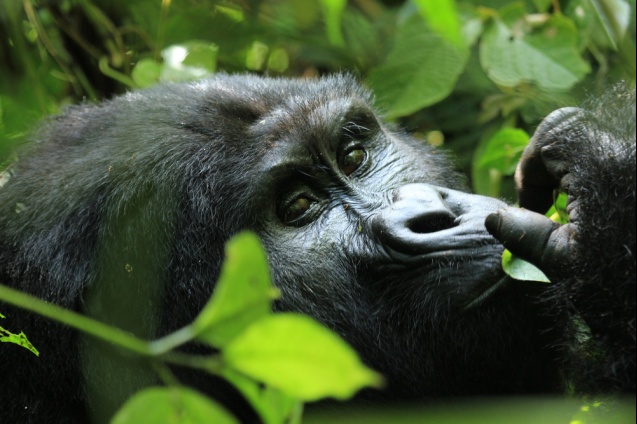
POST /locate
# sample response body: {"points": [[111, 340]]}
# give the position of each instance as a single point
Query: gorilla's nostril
{"points": [[430, 223]]}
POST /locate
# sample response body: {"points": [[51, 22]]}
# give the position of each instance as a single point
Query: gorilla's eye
{"points": [[351, 160], [296, 209]]}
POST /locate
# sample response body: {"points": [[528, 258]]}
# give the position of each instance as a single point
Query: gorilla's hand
{"points": [[590, 154], [544, 167]]}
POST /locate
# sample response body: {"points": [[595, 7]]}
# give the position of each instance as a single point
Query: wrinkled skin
{"points": [[543, 169], [124, 208], [590, 155]]}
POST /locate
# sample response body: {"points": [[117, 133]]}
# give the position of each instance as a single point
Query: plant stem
{"points": [[171, 341], [73, 319], [161, 348]]}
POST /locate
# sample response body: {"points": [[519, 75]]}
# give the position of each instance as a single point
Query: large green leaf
{"points": [[243, 293], [513, 51], [171, 405], [421, 69], [300, 357], [442, 17], [272, 405]]}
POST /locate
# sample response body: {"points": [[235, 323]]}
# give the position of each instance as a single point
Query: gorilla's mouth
{"points": [[466, 276], [448, 245]]}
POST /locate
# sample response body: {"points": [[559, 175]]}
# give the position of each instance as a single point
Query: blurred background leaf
{"points": [[455, 72]]}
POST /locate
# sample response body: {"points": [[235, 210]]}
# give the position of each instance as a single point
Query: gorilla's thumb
{"points": [[525, 233]]}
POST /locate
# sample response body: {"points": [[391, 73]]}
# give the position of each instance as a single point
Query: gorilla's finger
{"points": [[526, 234], [543, 165], [536, 197]]}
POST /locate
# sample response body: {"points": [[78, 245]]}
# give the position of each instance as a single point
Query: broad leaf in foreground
{"points": [[171, 405], [297, 355], [243, 293]]}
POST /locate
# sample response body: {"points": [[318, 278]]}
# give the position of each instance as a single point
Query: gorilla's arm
{"points": [[589, 154]]}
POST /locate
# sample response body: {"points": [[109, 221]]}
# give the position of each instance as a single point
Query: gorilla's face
{"points": [[369, 231], [353, 196]]}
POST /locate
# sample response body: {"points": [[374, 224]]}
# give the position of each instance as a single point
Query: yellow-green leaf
{"points": [[171, 405], [20, 339], [243, 293], [300, 357]]}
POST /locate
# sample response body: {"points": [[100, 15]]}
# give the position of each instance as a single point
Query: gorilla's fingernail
{"points": [[492, 222]]}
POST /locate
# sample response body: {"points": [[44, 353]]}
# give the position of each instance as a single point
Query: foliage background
{"points": [[454, 72]]}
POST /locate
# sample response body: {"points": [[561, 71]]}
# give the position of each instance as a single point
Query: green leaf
{"points": [[333, 13], [146, 73], [503, 150], [243, 293], [256, 56], [421, 69], [362, 39], [278, 61], [189, 61], [558, 212], [471, 29], [613, 17], [271, 404], [233, 13], [300, 357], [542, 5], [171, 405], [513, 51], [442, 17], [20, 339], [521, 269]]}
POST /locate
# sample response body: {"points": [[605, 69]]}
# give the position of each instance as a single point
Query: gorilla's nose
{"points": [[415, 212]]}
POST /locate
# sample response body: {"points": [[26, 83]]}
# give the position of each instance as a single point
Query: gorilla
{"points": [[121, 210]]}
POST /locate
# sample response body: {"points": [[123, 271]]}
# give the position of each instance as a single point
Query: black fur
{"points": [[599, 284], [121, 210]]}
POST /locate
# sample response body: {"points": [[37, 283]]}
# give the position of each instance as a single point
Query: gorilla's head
{"points": [[125, 207], [366, 229]]}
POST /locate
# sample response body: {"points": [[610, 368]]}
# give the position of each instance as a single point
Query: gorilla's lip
{"points": [[475, 252], [465, 246]]}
